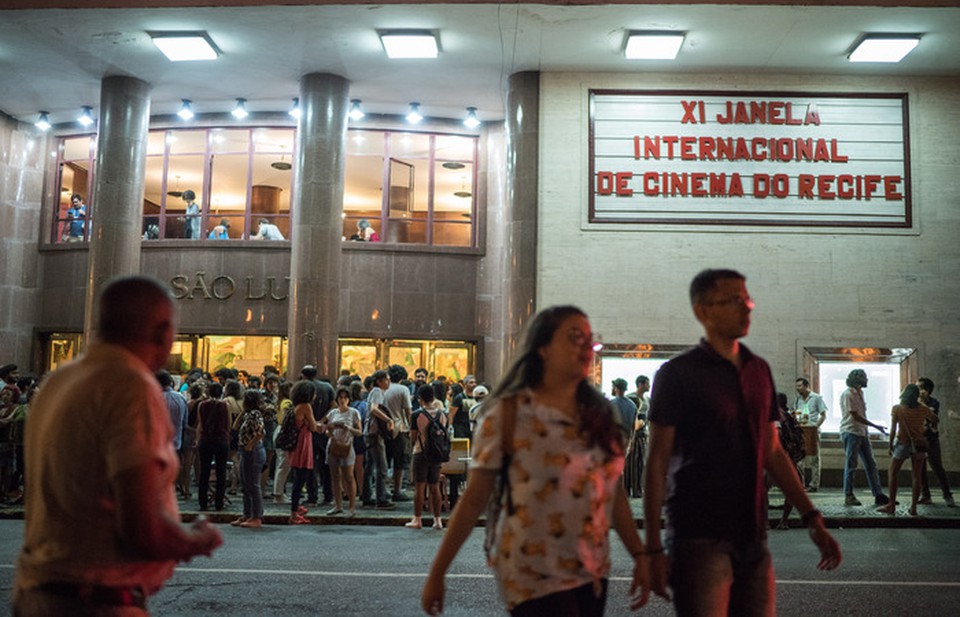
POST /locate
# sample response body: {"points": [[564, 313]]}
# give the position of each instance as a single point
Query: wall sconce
{"points": [[355, 112], [240, 109], [43, 122], [86, 116], [413, 116], [186, 112], [295, 110], [471, 121]]}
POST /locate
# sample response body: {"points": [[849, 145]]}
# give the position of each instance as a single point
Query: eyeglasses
{"points": [[735, 301], [579, 338]]}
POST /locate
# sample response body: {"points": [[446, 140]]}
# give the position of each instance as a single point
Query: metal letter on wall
{"points": [[749, 158]]}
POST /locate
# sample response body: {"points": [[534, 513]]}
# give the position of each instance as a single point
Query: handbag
{"points": [[340, 450]]}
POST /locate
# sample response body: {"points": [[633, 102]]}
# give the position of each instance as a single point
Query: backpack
{"points": [[791, 438], [289, 434], [436, 443]]}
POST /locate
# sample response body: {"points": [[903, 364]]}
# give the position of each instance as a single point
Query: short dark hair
{"points": [[309, 371], [215, 390], [76, 196], [233, 388], [397, 373], [252, 399], [345, 391], [426, 394], [304, 391], [123, 304], [378, 375], [706, 281], [165, 378], [189, 195], [804, 381], [926, 383], [641, 379]]}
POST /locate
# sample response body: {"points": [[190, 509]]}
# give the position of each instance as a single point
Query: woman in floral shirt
{"points": [[252, 458], [565, 457]]}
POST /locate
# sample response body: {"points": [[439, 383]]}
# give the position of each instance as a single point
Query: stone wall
{"points": [[21, 187]]}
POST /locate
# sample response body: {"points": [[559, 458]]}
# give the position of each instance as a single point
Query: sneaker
{"points": [[401, 497], [279, 499], [851, 501], [368, 503], [926, 501], [950, 501], [386, 505], [813, 489], [437, 523], [414, 524], [334, 511], [881, 500], [297, 519], [351, 513]]}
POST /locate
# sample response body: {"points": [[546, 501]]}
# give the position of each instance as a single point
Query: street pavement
{"points": [[351, 570], [830, 501]]}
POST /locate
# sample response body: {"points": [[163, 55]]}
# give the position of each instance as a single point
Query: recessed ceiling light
{"points": [[653, 45], [884, 47], [185, 46], [409, 43]]}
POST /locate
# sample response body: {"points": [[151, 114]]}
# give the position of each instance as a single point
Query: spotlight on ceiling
{"points": [[414, 116], [86, 116], [471, 121], [409, 43], [884, 47], [355, 112], [182, 46], [186, 111], [295, 109], [240, 109], [43, 121], [652, 45]]}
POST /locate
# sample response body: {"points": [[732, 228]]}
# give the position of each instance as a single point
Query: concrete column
{"points": [[317, 224], [116, 209], [519, 266]]}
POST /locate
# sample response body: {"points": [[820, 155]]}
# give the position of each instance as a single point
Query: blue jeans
{"points": [[377, 466], [251, 464], [714, 578], [859, 445]]}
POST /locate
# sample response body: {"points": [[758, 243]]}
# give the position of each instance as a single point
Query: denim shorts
{"points": [[902, 451]]}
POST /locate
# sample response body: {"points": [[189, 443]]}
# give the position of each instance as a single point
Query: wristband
{"points": [[810, 515]]}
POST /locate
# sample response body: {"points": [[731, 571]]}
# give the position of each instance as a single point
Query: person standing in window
{"points": [[191, 228], [267, 231], [76, 214]]}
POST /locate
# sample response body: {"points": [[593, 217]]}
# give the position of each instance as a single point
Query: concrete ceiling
{"points": [[54, 59]]}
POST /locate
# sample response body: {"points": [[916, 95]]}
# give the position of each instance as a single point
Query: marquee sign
{"points": [[749, 158]]}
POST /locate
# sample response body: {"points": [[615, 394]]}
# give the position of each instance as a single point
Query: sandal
{"points": [[297, 519], [239, 522], [252, 523]]}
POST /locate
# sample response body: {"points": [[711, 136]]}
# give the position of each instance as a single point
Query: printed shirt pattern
{"points": [[563, 495]]}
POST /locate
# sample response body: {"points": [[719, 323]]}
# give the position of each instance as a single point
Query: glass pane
{"points": [[363, 174], [228, 185], [78, 148], [174, 227], [63, 348], [271, 184], [152, 199], [181, 358], [187, 142], [451, 234], [225, 227], [406, 231], [230, 141], [273, 140], [414, 152], [280, 222], [358, 359], [880, 397], [453, 194], [155, 142], [451, 362], [619, 367], [454, 148], [406, 355]]}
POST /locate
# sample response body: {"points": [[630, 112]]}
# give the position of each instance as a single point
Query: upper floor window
{"points": [[75, 161], [218, 184], [410, 188]]}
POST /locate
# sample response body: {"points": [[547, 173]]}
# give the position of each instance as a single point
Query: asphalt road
{"points": [[354, 570]]}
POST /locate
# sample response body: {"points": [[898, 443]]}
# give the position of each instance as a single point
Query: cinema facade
{"points": [[837, 197]]}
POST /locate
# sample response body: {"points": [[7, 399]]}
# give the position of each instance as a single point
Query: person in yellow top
{"points": [[907, 441]]}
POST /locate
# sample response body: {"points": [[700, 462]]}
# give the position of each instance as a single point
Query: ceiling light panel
{"points": [[185, 46], [410, 44], [884, 48], [653, 45]]}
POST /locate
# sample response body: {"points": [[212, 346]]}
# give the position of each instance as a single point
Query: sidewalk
{"points": [[830, 501]]}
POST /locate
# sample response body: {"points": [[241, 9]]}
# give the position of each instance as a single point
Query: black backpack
{"points": [[436, 442], [288, 435]]}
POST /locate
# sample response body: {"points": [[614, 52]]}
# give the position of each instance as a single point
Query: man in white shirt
{"points": [[856, 442], [814, 413], [267, 231]]}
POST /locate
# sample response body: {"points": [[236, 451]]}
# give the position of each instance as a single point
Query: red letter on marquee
{"points": [[604, 183], [623, 180], [805, 186], [689, 107], [890, 188]]}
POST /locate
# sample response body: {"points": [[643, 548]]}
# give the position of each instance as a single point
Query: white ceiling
{"points": [[54, 59]]}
